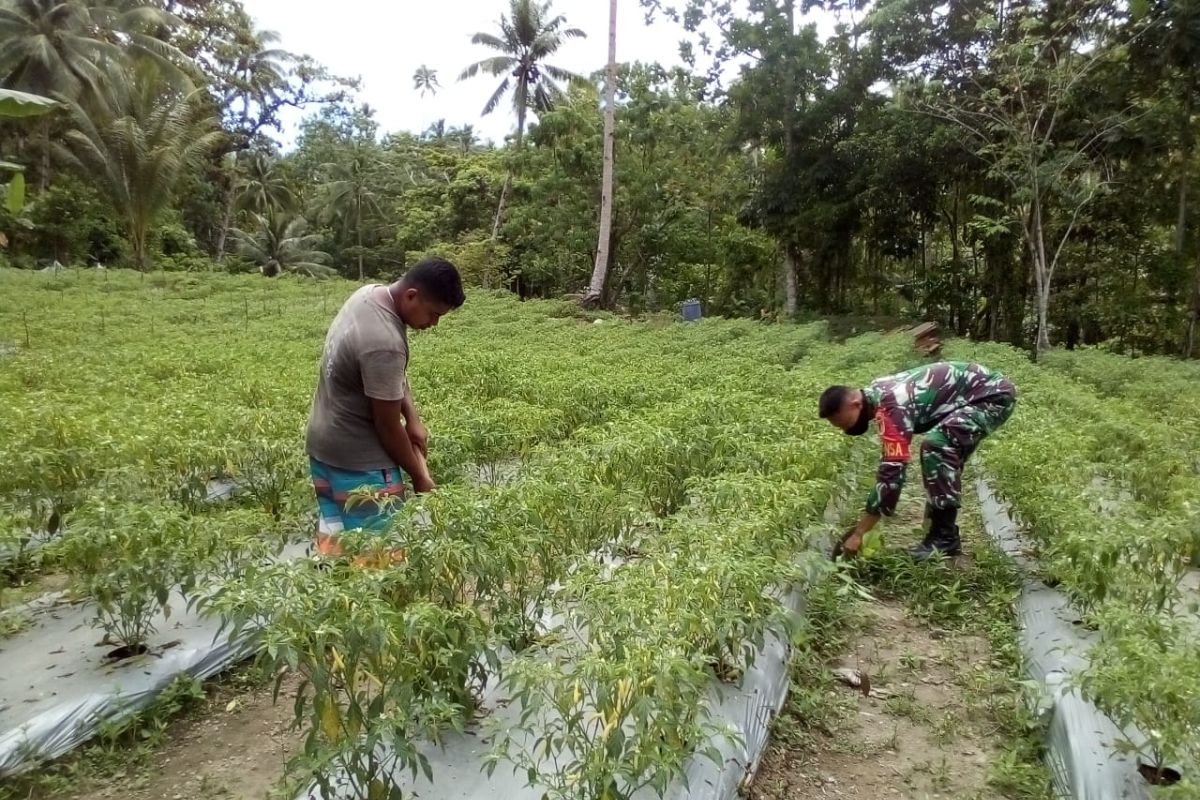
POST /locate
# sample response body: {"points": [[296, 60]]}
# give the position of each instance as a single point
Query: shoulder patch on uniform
{"points": [[895, 443]]}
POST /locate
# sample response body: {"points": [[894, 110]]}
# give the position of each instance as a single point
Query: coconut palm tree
{"points": [[529, 35], [595, 292], [435, 133], [464, 137], [426, 80], [264, 187], [348, 198], [136, 142], [280, 242], [63, 47]]}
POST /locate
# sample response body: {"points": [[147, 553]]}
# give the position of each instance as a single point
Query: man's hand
{"points": [[418, 435], [849, 544], [852, 540], [422, 481], [396, 441]]}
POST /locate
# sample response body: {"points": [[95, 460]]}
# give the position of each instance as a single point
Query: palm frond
{"points": [[560, 74], [498, 65], [496, 97], [491, 41]]}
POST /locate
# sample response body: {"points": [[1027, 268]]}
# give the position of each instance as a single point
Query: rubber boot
{"points": [[943, 537], [927, 528]]}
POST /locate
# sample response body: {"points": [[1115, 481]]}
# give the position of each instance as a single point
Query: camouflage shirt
{"points": [[915, 402]]}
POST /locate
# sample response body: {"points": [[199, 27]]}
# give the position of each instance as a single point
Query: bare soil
{"points": [[913, 737], [234, 748]]}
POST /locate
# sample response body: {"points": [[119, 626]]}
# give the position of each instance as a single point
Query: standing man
{"points": [[364, 432], [956, 405]]}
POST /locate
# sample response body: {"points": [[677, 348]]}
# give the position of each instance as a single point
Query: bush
{"points": [[184, 263], [73, 225], [173, 239], [481, 262]]}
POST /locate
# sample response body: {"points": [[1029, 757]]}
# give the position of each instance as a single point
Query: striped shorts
{"points": [[350, 499]]}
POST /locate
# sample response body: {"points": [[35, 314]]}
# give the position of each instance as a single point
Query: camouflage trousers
{"points": [[951, 442]]}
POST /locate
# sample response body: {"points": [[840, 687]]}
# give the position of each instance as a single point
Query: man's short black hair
{"points": [[832, 400], [437, 279]]}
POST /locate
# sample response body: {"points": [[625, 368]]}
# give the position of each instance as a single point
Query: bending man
{"points": [[364, 432], [956, 405]]}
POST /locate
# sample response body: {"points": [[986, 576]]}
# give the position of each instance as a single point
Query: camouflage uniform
{"points": [[956, 405]]}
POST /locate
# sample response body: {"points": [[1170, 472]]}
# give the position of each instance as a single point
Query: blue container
{"points": [[691, 310]]}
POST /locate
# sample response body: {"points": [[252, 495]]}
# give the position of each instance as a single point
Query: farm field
{"points": [[615, 500]]}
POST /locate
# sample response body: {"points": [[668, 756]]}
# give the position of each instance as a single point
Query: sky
{"points": [[384, 41]]}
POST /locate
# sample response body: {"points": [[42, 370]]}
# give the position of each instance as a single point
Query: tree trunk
{"points": [[790, 284], [1189, 346], [44, 178], [504, 190], [1037, 251], [500, 206], [358, 236], [600, 270], [226, 222], [925, 292], [790, 278], [1186, 143], [137, 241]]}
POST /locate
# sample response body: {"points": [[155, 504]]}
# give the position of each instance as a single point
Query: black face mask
{"points": [[864, 421]]}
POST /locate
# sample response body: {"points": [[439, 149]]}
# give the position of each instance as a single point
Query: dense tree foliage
{"points": [[1019, 171]]}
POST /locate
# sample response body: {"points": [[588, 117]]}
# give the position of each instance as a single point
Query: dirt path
{"points": [[235, 748], [913, 737], [943, 718]]}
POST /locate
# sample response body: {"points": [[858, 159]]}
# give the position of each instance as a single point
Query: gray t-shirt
{"points": [[365, 356]]}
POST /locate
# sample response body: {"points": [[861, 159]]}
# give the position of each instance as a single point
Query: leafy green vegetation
{"points": [[638, 457], [616, 496], [588, 461], [833, 159], [1117, 526]]}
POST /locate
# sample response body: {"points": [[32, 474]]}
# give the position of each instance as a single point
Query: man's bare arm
{"points": [[418, 434], [389, 427]]}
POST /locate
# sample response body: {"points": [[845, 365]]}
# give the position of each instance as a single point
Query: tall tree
{"points": [[350, 199], [136, 143], [252, 77], [1034, 137], [529, 35], [595, 290], [426, 80], [264, 188], [280, 242], [251, 82], [786, 73], [1168, 53], [62, 47]]}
